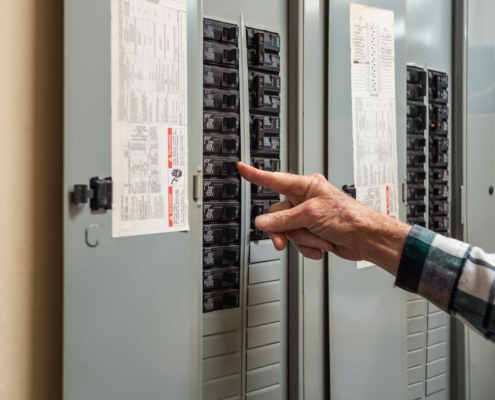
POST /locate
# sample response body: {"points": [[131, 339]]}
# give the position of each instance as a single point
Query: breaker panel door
{"points": [[480, 169], [132, 309], [366, 325]]}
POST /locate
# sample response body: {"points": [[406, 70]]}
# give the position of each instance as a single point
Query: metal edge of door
{"points": [[459, 346]]}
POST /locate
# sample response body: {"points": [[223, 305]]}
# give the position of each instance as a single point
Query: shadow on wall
{"points": [[47, 228]]}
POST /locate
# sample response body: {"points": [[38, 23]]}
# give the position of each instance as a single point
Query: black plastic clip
{"points": [[99, 193], [349, 190]]}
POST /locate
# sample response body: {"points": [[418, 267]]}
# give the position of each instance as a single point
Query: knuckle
{"points": [[314, 209]]}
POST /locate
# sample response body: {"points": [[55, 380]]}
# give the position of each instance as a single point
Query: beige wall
{"points": [[31, 69]]}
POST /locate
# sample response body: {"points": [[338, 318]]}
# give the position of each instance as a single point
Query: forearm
{"points": [[383, 241]]}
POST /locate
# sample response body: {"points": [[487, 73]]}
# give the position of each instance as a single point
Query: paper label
{"points": [[149, 116], [373, 109]]}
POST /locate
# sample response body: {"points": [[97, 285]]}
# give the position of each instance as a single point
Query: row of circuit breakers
{"points": [[222, 134], [430, 150]]}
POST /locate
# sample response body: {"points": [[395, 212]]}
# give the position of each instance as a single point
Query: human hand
{"points": [[317, 217]]}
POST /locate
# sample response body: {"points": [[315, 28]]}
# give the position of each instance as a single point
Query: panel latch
{"points": [[99, 193]]}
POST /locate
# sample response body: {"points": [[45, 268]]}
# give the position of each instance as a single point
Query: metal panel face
{"points": [[366, 313], [480, 167], [131, 307]]}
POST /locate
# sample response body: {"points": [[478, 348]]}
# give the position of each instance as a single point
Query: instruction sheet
{"points": [[149, 116], [373, 108]]}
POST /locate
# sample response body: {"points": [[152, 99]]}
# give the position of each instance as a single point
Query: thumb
{"points": [[285, 220]]}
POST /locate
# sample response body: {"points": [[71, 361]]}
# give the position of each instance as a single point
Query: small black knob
{"points": [[231, 33], [230, 255], [230, 122], [231, 100], [231, 55], [490, 190]]}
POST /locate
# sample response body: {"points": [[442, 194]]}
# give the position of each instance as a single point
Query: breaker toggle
{"points": [[220, 53]]}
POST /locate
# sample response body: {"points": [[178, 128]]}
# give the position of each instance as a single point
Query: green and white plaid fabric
{"points": [[457, 277]]}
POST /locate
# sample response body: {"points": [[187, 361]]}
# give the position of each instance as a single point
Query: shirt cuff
{"points": [[413, 258]]}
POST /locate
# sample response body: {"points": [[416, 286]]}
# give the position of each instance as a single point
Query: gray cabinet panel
{"points": [[131, 314], [363, 298]]}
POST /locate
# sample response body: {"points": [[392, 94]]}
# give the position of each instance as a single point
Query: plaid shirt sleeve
{"points": [[456, 277]]}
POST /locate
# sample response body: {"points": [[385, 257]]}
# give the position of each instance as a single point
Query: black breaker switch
{"points": [[220, 53], [439, 192], [220, 144], [266, 164], [439, 207], [439, 224], [415, 175], [439, 119], [220, 31], [416, 210], [220, 122], [213, 301], [438, 84], [260, 207], [439, 175], [415, 159], [220, 77], [220, 99], [220, 189], [220, 166], [270, 83], [415, 142], [415, 192], [218, 211], [220, 256], [220, 234], [220, 278]]}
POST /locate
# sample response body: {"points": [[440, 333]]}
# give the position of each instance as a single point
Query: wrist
{"points": [[383, 241]]}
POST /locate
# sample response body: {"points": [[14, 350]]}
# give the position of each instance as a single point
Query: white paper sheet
{"points": [[149, 116], [373, 109]]}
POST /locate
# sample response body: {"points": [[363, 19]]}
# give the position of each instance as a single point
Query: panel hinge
{"points": [[99, 193], [463, 205]]}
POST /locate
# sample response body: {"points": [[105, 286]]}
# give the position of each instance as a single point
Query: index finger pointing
{"points": [[280, 182]]}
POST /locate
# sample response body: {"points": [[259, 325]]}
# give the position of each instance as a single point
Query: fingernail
{"points": [[262, 221]]}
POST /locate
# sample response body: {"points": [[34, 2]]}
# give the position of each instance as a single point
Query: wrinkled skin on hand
{"points": [[317, 217]]}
